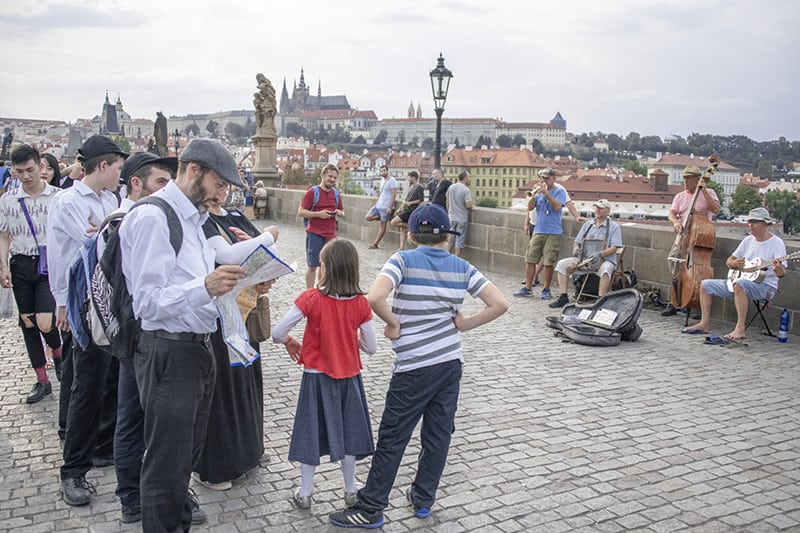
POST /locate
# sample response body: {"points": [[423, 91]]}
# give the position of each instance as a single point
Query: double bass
{"points": [[695, 244]]}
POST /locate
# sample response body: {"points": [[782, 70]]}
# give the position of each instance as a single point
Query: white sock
{"points": [[306, 479], [349, 473]]}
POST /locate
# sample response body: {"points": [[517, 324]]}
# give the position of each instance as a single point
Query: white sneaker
{"points": [[222, 485]]}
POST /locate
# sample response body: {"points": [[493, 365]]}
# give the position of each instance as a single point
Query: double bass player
{"points": [[707, 204]]}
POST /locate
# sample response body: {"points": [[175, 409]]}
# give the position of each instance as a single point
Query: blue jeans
{"points": [[129, 436], [430, 393]]}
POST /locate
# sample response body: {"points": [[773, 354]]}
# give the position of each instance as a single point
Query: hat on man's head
{"points": [[692, 171], [431, 218], [212, 154], [759, 213], [97, 145], [605, 204], [138, 160], [545, 172]]}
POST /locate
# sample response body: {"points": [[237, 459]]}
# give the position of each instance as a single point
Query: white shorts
{"points": [[606, 269]]}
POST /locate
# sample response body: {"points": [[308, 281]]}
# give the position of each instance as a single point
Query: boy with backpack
{"points": [[425, 325], [88, 412], [320, 206]]}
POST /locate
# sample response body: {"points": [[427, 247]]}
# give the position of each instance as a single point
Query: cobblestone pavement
{"points": [[664, 434]]}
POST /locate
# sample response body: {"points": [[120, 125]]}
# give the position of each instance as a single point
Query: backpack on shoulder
{"points": [[102, 307], [315, 201]]}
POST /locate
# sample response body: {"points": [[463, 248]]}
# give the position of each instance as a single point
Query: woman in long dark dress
{"points": [[235, 437]]}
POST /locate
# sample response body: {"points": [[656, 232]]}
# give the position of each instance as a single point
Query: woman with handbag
{"points": [[235, 437]]}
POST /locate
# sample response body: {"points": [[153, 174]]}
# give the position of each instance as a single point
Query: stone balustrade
{"points": [[497, 242]]}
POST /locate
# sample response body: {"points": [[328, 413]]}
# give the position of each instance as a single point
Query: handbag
{"points": [[6, 303], [41, 248], [258, 321]]}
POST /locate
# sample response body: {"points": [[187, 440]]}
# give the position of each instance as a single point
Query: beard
{"points": [[199, 196]]}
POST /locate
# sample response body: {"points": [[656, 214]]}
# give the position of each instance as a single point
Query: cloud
{"points": [[74, 16]]}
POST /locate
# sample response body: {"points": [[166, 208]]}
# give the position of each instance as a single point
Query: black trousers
{"points": [[32, 294], [92, 413], [176, 385]]}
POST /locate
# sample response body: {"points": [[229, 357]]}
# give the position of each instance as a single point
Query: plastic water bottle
{"points": [[783, 330]]}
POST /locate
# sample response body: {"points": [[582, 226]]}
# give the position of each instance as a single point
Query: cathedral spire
{"points": [[411, 109]]}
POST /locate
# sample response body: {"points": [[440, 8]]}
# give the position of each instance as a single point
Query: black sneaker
{"points": [[130, 514], [419, 512], [77, 491], [39, 391], [669, 310], [563, 300], [353, 517], [199, 516]]}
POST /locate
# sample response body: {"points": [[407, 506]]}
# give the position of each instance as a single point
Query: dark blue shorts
{"points": [[314, 244]]}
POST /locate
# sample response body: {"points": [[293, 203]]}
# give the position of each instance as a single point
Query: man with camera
{"points": [[320, 206], [595, 249]]}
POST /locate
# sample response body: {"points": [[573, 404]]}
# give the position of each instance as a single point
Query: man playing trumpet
{"points": [[595, 248]]}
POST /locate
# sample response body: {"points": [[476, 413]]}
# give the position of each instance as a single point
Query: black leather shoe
{"points": [[198, 515], [669, 310], [39, 391], [130, 514], [76, 491], [563, 300], [58, 363]]}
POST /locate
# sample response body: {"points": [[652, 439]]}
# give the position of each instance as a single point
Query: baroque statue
{"points": [[265, 103]]}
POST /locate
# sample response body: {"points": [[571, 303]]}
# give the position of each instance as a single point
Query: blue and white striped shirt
{"points": [[429, 288]]}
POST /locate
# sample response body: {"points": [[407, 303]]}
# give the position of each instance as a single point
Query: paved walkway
{"points": [[664, 434]]}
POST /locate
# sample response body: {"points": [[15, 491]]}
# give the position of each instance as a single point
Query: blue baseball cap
{"points": [[431, 218]]}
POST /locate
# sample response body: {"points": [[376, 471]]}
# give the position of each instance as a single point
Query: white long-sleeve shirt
{"points": [[71, 213], [168, 292]]}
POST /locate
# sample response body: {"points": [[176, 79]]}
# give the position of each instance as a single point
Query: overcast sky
{"points": [[654, 67]]}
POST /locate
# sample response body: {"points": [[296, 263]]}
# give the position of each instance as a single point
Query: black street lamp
{"points": [[440, 83], [176, 135]]}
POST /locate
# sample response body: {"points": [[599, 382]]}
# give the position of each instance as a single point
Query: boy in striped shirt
{"points": [[424, 323]]}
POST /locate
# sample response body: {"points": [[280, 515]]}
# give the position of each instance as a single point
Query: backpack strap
{"points": [[316, 197], [173, 222]]}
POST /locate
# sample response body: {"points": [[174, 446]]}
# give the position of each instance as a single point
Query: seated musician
{"points": [[595, 249], [760, 246], [707, 205]]}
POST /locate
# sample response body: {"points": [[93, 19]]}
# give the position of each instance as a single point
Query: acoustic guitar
{"points": [[756, 270]]}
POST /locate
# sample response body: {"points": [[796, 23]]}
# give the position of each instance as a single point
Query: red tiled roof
{"points": [[593, 185]]}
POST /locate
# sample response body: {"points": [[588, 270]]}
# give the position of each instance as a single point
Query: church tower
{"points": [[411, 109], [419, 110]]}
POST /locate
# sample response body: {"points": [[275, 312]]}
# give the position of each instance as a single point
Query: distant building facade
{"points": [[673, 164]]}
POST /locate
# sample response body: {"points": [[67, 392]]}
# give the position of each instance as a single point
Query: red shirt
{"points": [[330, 340], [324, 227]]}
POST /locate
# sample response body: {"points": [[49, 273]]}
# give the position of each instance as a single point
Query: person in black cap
{"points": [[425, 325], [142, 174], [88, 412], [173, 296]]}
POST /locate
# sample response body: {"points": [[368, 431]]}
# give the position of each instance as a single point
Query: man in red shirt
{"points": [[320, 217]]}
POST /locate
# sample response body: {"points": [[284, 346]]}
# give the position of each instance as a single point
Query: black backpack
{"points": [[112, 324]]}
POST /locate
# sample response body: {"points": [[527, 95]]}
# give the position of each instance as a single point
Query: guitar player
{"points": [[759, 246]]}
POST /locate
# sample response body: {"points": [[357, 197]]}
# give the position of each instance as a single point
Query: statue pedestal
{"points": [[266, 142]]}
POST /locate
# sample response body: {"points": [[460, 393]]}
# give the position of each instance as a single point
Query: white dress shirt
{"points": [[71, 214], [168, 292]]}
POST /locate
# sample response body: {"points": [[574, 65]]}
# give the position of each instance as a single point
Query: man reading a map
{"points": [[755, 268]]}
